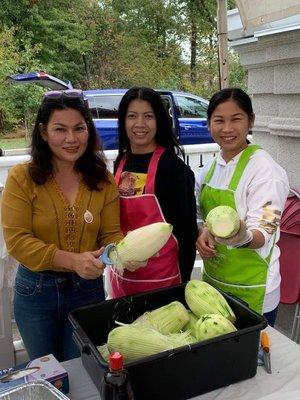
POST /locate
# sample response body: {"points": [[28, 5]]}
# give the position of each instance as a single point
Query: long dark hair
{"points": [[91, 164], [164, 135], [236, 94]]}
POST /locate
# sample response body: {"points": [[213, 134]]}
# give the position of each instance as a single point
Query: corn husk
{"points": [[202, 298], [103, 350], [212, 325], [190, 326], [170, 318], [136, 341], [223, 221], [141, 244]]}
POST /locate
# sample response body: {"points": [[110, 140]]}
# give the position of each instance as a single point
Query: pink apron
{"points": [[161, 270]]}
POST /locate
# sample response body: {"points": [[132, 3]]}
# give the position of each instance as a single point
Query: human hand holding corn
{"points": [[88, 265], [134, 265], [138, 246]]}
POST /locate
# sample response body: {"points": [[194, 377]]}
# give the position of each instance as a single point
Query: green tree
{"points": [[61, 29], [199, 29], [151, 21], [15, 100], [138, 45], [51, 35], [109, 43]]}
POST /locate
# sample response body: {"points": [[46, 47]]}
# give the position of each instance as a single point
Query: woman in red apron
{"points": [[155, 185]]}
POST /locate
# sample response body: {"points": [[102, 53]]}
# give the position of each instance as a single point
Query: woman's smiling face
{"points": [[229, 126], [141, 126], [66, 134]]}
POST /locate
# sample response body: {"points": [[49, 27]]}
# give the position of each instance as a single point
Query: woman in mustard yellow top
{"points": [[58, 211]]}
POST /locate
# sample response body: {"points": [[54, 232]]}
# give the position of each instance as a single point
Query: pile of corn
{"points": [[173, 325]]}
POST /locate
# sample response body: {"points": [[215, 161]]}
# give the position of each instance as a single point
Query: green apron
{"points": [[241, 271]]}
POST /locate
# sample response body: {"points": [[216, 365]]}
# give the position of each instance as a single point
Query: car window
{"points": [[104, 106], [190, 107]]}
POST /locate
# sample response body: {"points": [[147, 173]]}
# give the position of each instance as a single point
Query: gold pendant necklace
{"points": [[88, 217]]}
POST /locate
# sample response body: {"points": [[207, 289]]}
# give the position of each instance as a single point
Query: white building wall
{"points": [[272, 59]]}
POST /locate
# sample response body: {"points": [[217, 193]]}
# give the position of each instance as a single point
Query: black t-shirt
{"points": [[174, 189]]}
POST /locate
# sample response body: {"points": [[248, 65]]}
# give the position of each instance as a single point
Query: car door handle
{"points": [[187, 127]]}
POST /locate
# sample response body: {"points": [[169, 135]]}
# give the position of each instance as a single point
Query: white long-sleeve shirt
{"points": [[260, 197]]}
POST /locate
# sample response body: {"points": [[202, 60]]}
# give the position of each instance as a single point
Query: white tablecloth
{"points": [[282, 384]]}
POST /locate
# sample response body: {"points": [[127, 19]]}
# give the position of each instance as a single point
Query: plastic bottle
{"points": [[116, 382]]}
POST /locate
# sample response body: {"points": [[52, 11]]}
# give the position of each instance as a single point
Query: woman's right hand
{"points": [[206, 245], [132, 266], [87, 265]]}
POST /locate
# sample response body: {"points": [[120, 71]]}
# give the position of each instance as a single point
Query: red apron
{"points": [[136, 211]]}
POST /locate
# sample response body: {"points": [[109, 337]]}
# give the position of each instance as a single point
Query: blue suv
{"points": [[187, 111]]}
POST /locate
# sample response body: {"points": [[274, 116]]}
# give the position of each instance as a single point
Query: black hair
{"points": [[91, 164], [164, 135], [236, 94]]}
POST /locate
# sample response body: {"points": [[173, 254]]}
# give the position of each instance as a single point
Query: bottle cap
{"points": [[115, 361]]}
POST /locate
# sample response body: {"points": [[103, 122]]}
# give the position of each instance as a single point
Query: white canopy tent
{"points": [[253, 14], [259, 12]]}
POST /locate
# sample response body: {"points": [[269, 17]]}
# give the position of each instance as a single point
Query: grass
{"points": [[13, 143]]}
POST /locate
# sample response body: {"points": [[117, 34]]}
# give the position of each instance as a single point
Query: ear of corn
{"points": [[141, 244], [182, 338], [103, 350], [136, 341], [223, 221], [190, 326], [202, 298], [166, 319], [212, 325]]}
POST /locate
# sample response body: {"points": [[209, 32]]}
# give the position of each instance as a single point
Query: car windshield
{"points": [[104, 106]]}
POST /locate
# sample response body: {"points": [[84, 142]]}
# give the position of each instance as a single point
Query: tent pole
{"points": [[222, 43]]}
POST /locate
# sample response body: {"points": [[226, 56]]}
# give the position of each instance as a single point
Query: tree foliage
{"points": [[108, 43], [15, 102]]}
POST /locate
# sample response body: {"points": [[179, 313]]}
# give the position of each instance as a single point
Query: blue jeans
{"points": [[271, 316], [42, 303]]}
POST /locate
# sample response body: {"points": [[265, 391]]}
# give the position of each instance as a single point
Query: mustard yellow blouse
{"points": [[37, 219]]}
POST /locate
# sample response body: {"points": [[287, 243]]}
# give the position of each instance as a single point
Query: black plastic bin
{"points": [[178, 374]]}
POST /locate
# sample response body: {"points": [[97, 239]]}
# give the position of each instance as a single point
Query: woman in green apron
{"points": [[246, 178]]}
